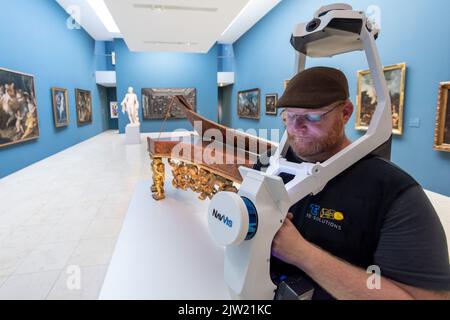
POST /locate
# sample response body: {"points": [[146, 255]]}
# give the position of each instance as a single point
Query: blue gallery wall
{"points": [[167, 70], [38, 42], [109, 48], [264, 59], [100, 55], [103, 62]]}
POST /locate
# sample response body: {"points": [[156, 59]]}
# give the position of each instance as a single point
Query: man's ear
{"points": [[347, 111]]}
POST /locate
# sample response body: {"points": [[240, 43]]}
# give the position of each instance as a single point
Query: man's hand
{"points": [[288, 244], [339, 278]]}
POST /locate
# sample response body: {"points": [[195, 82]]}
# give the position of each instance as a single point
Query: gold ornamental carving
{"points": [[158, 179], [202, 181]]}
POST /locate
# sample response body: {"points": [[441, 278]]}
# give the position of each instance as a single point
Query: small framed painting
{"points": [[271, 102], [113, 106], [83, 102], [60, 102]]}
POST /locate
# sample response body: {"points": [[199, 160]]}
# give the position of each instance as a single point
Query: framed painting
{"points": [[286, 83], [249, 104], [18, 108], [156, 102], [283, 111], [442, 130], [271, 102], [114, 110], [60, 103], [83, 100], [283, 117], [366, 100]]}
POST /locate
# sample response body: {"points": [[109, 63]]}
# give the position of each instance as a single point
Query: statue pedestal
{"points": [[132, 134]]}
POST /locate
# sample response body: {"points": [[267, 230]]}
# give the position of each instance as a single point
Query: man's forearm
{"points": [[341, 279]]}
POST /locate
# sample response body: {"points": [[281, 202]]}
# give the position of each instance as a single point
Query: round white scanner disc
{"points": [[228, 219]]}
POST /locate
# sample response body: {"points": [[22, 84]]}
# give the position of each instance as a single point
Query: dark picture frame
{"points": [[249, 104], [156, 102], [83, 101], [271, 102]]}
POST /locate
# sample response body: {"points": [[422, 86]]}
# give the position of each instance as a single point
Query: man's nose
{"points": [[300, 122]]}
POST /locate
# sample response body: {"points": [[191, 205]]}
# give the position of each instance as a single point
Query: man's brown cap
{"points": [[315, 88]]}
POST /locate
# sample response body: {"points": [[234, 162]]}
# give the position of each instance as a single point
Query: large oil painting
{"points": [[18, 108], [442, 131], [366, 101], [248, 105], [156, 102]]}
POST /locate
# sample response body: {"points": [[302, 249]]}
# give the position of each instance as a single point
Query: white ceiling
{"points": [[173, 25]]}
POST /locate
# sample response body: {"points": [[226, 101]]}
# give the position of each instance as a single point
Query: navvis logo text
{"points": [[222, 218]]}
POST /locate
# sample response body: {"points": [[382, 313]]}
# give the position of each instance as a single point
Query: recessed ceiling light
{"points": [[160, 8], [178, 43], [105, 16]]}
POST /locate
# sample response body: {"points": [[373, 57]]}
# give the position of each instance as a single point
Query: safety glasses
{"points": [[292, 117]]}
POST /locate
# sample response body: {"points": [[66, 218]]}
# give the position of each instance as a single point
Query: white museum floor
{"points": [[68, 210]]}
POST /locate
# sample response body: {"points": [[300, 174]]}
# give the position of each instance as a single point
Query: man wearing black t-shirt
{"points": [[372, 217]]}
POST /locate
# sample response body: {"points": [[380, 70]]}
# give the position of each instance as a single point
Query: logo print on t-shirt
{"points": [[325, 216], [315, 209], [331, 214]]}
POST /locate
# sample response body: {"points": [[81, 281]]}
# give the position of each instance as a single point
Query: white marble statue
{"points": [[130, 104]]}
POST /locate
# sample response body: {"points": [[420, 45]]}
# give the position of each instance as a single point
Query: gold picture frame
{"points": [[442, 130], [60, 104], [19, 111], [283, 111], [366, 98]]}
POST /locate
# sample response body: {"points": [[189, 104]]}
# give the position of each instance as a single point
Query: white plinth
{"points": [[164, 251], [133, 134]]}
